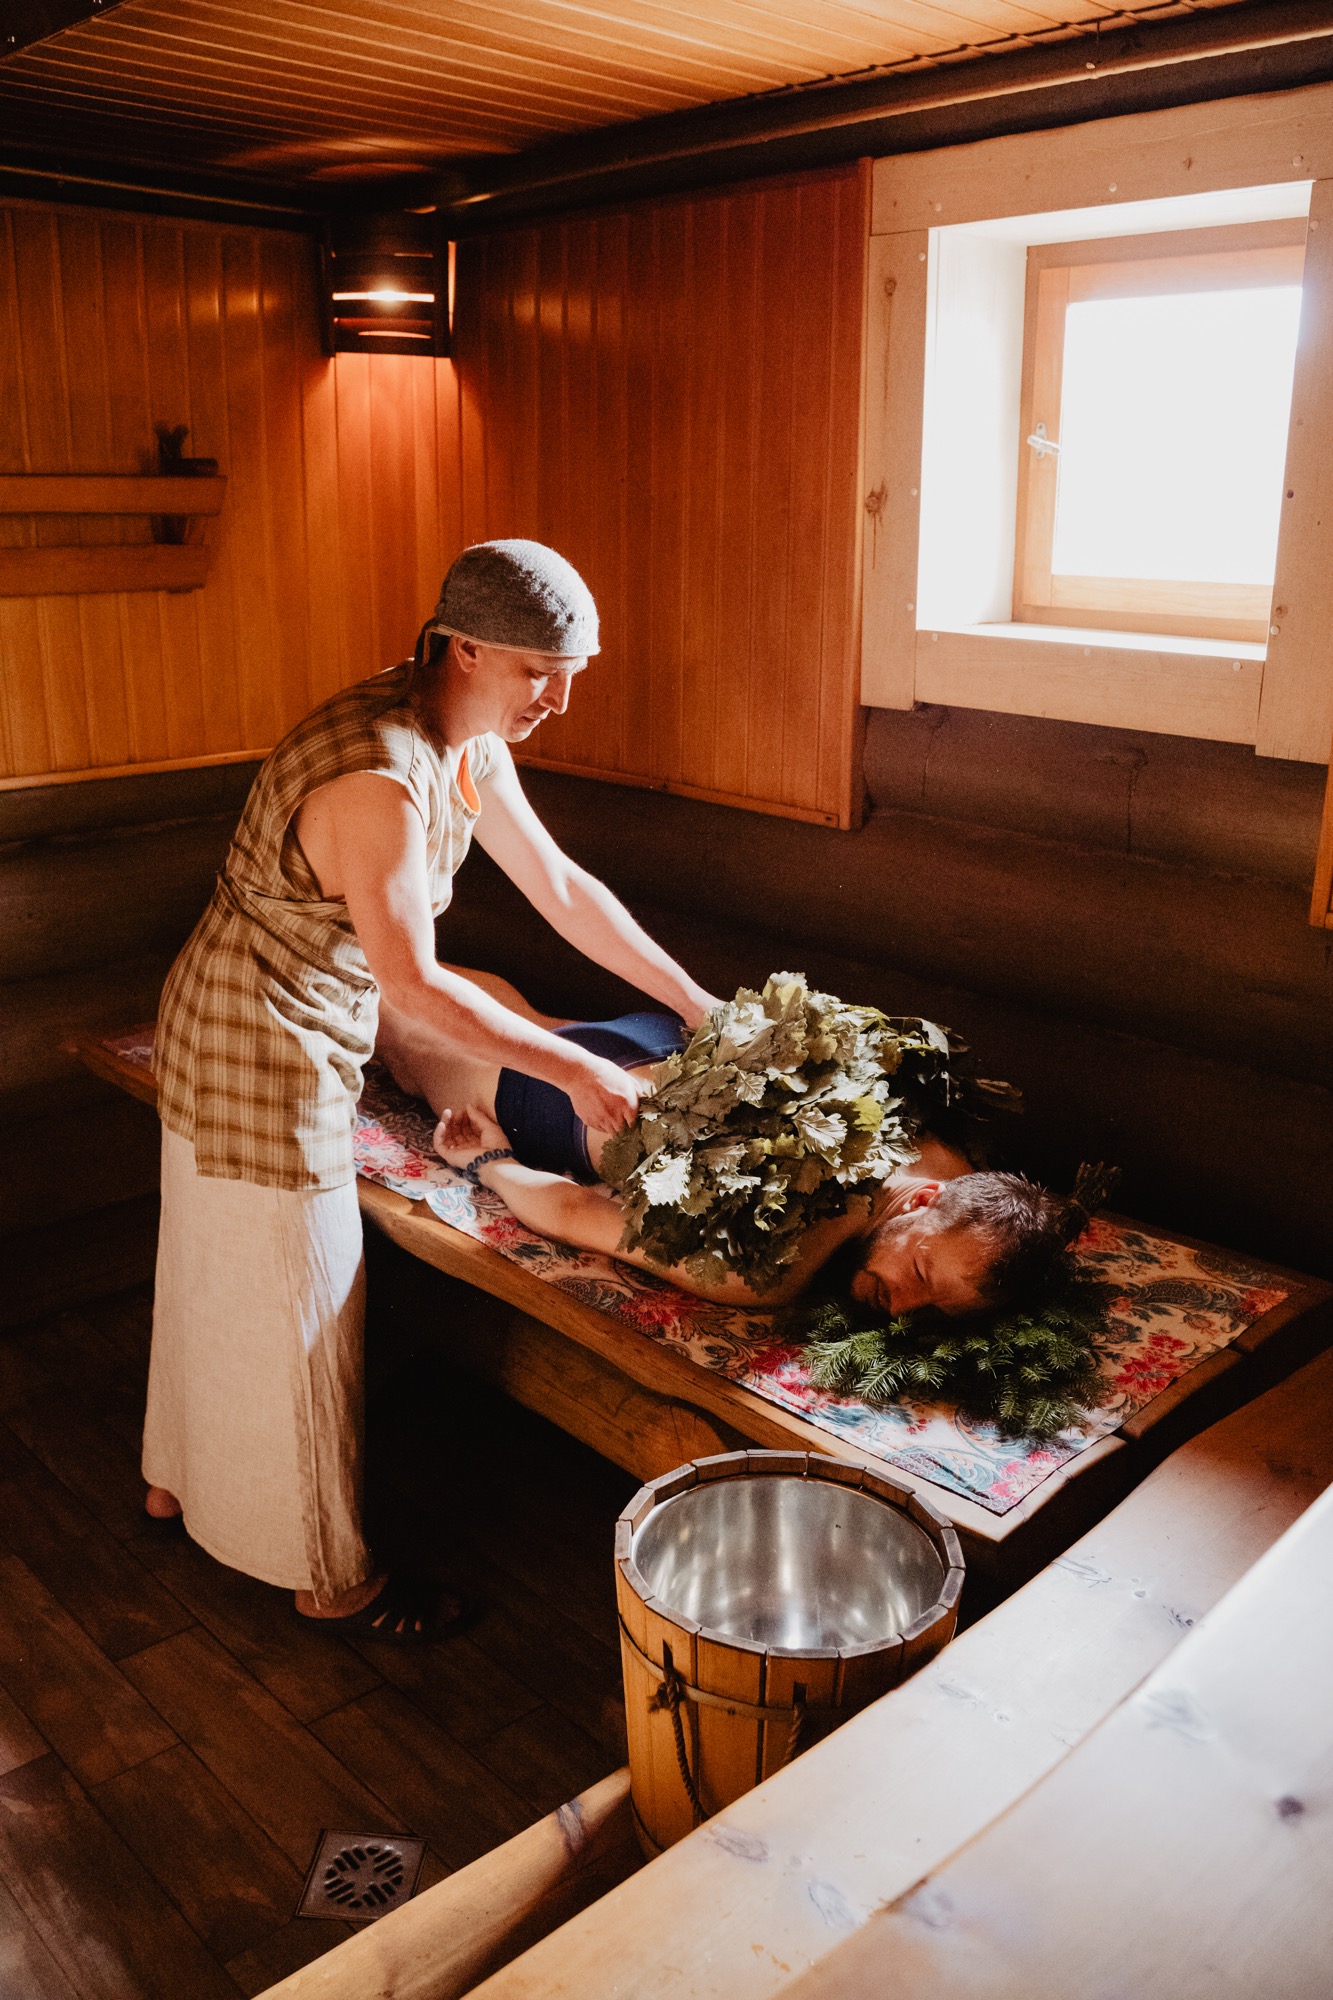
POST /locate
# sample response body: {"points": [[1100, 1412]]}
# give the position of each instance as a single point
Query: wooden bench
{"points": [[648, 1408], [1182, 1850], [786, 1876]]}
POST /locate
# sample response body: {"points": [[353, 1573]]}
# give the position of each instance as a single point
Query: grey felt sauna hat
{"points": [[518, 594]]}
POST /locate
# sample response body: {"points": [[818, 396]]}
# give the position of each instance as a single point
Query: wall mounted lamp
{"points": [[384, 285]]}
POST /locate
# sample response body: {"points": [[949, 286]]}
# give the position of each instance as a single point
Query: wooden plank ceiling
{"points": [[302, 92]]}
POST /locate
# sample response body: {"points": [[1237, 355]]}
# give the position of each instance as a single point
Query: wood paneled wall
{"points": [[671, 396], [342, 501]]}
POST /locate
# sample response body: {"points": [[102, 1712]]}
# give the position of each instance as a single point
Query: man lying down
{"points": [[860, 1179]]}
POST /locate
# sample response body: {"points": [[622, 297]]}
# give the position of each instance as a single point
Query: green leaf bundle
{"points": [[1032, 1370], [786, 1107]]}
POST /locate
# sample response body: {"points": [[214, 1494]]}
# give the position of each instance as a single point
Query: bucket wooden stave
{"points": [[736, 1697]]}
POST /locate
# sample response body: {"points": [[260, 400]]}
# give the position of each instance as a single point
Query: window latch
{"points": [[1042, 444]]}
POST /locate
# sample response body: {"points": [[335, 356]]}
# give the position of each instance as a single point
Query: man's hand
{"points": [[605, 1096], [461, 1135]]}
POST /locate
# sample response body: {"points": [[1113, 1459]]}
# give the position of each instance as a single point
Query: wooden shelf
{"points": [[87, 572], [180, 561], [108, 493]]}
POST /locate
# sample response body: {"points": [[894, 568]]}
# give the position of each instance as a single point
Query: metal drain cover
{"points": [[361, 1876]]}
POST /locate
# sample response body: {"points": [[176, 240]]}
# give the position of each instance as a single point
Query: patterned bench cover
{"points": [[1173, 1308]]}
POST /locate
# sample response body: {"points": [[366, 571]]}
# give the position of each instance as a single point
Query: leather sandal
{"points": [[405, 1611]]}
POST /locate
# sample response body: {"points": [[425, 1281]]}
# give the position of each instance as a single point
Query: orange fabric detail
{"points": [[465, 784]]}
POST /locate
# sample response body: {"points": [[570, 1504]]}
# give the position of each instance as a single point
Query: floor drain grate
{"points": [[361, 1876]]}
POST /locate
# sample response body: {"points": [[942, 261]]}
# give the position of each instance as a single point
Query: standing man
{"points": [[344, 858]]}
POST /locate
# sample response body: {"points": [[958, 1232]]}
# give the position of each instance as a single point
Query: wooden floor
{"points": [[173, 1740]]}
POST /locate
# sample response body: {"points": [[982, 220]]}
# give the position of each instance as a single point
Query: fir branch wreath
{"points": [[1032, 1369]]}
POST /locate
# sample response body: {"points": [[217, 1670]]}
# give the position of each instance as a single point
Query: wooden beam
{"points": [[895, 369], [1146, 156], [1266, 45], [1296, 707], [446, 1939]]}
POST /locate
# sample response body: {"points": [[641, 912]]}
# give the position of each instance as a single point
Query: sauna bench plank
{"points": [[788, 1873], [1185, 1843], [648, 1408]]}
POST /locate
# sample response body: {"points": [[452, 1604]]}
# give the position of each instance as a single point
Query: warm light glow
{"points": [[390, 333], [1173, 434], [390, 297]]}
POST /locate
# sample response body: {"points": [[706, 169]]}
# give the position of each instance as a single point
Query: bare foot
{"points": [[162, 1506], [346, 1605]]}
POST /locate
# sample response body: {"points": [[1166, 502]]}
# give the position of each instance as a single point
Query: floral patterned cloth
{"points": [[1173, 1308]]}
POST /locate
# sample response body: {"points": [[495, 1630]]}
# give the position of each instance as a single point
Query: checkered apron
{"points": [[269, 1014]]}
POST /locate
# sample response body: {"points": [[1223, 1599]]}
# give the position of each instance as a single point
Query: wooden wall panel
{"points": [[342, 507], [672, 398]]}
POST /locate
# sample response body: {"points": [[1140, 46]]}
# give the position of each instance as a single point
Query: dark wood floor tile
{"points": [[433, 1870], [464, 1743], [286, 1951], [62, 1399], [289, 1783], [545, 1759], [73, 1352], [19, 1741], [456, 1683], [579, 1584], [126, 1320], [310, 1671], [27, 1969], [577, 1674], [112, 1931], [115, 1599], [82, 1704], [227, 1876], [438, 1790]]}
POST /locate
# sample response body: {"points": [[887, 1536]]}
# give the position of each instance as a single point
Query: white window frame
{"points": [[1278, 697]]}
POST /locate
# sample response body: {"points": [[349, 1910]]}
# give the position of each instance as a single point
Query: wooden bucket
{"points": [[798, 1548]]}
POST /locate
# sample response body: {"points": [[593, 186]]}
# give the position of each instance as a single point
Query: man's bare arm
{"points": [[365, 841], [575, 903], [590, 1219]]}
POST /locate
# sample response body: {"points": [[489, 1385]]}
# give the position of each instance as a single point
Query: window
{"points": [[1157, 378], [1172, 530]]}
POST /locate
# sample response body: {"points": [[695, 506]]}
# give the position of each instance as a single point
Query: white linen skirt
{"points": [[255, 1386]]}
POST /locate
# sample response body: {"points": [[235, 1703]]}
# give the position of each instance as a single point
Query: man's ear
{"points": [[925, 1194], [464, 653]]}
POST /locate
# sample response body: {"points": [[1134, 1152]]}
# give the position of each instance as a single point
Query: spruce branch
{"points": [[1032, 1371]]}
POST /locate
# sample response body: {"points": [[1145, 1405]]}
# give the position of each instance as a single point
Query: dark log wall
{"points": [[1115, 921]]}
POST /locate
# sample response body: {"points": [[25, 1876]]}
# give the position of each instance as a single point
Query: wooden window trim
{"points": [[1058, 276]]}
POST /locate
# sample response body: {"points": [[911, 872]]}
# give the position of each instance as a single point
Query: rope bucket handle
{"points": [[673, 1690]]}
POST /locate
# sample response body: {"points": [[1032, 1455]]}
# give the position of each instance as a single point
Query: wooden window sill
{"points": [[1171, 685]]}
